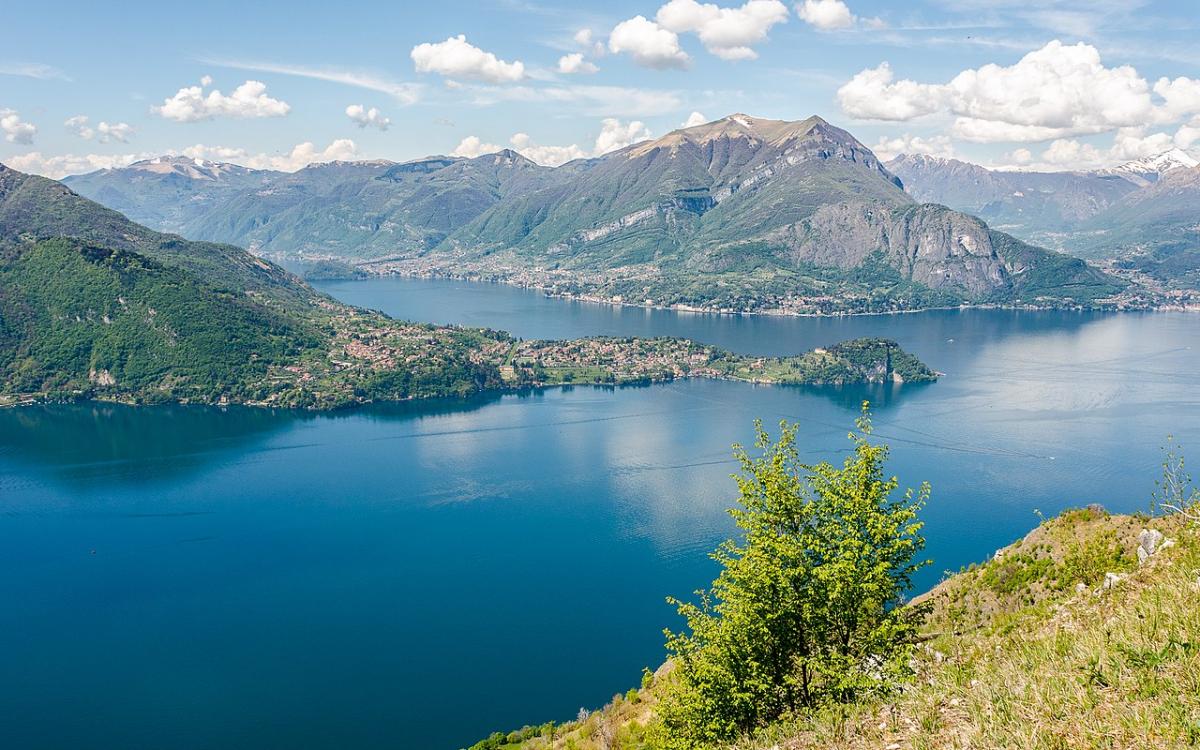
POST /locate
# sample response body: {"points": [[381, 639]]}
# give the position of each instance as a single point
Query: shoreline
{"points": [[771, 312]]}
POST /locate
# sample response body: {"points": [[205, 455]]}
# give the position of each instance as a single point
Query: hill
{"points": [[742, 213], [93, 305], [1063, 639]]}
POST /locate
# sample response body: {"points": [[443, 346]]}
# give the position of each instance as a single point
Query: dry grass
{"points": [[1020, 656]]}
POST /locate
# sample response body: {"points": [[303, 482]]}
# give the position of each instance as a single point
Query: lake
{"points": [[418, 575]]}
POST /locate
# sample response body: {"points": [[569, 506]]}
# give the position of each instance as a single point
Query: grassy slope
{"points": [[1027, 650]]}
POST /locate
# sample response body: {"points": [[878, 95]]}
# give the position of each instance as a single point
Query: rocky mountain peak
{"points": [[1150, 169]]}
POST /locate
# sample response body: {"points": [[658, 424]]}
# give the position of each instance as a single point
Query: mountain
{"points": [[1143, 214], [1036, 206], [1155, 230], [95, 305], [746, 213], [167, 191], [740, 213], [1148, 170]]}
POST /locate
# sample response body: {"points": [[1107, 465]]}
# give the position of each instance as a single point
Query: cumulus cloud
{"points": [[364, 117], [694, 119], [15, 129], [728, 33], [614, 134], [833, 15], [104, 132], [574, 63], [299, 157], [938, 145], [586, 40], [458, 58], [551, 156], [826, 14], [874, 94], [1057, 91], [1128, 144], [649, 44], [57, 167], [193, 103], [473, 146]]}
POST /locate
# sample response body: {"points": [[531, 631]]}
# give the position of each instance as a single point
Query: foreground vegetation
{"points": [[1083, 634]]}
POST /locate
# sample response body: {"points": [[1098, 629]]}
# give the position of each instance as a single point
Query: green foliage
{"points": [[806, 610]]}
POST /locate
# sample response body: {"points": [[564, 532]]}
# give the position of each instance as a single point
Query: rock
{"points": [[1149, 542], [1111, 580], [1081, 588], [1097, 508]]}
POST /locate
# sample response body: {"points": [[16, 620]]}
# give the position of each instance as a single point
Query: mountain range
{"points": [[1143, 215], [742, 213]]}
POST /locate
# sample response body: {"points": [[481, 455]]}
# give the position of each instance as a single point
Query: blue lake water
{"points": [[418, 575]]}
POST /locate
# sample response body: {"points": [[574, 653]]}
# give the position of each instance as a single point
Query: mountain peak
{"points": [[1149, 169], [187, 166]]}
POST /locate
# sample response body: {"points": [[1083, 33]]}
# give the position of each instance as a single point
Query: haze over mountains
{"points": [[740, 213]]}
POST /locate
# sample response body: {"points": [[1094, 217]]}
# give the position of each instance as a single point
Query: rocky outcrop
{"points": [[929, 244]]}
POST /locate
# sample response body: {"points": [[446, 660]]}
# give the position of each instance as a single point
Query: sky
{"points": [[1031, 84]]}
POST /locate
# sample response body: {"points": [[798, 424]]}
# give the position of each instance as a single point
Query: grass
{"points": [[1027, 651]]}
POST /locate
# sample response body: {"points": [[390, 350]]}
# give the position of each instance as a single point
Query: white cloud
{"points": [[873, 94], [694, 119], [728, 33], [364, 117], [15, 129], [472, 146], [938, 145], [1128, 144], [192, 103], [403, 92], [1057, 91], [551, 156], [1189, 134], [104, 132], [458, 58], [614, 134], [57, 167], [826, 14], [585, 39], [574, 63], [300, 156], [649, 44], [1181, 96]]}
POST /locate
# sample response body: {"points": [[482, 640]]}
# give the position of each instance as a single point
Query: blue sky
{"points": [[1038, 84]]}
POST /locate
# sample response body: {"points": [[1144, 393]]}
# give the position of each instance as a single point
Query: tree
{"points": [[808, 606]]}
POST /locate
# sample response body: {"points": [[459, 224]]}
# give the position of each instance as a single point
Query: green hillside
{"points": [[93, 305], [1084, 634]]}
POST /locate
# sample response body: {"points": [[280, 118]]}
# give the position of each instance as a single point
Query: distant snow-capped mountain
{"points": [[1149, 169]]}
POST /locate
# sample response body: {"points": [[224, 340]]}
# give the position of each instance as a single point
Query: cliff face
{"points": [[928, 244]]}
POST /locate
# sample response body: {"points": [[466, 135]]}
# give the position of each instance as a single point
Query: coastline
{"points": [[550, 291]]}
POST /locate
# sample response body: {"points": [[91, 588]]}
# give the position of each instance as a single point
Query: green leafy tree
{"points": [[807, 607]]}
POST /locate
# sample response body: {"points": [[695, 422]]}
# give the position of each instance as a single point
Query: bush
{"points": [[805, 611]]}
